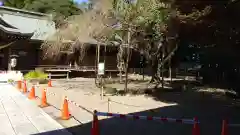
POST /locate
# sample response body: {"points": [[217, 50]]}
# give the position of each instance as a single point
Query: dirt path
{"points": [[208, 108]]}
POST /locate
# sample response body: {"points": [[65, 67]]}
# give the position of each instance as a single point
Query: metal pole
{"points": [[101, 89], [98, 53], [109, 104], [143, 72], [98, 60]]}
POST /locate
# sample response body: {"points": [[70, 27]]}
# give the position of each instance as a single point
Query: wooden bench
{"points": [[57, 70], [50, 75]]}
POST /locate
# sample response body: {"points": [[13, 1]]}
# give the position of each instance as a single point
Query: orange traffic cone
{"points": [[19, 86], [196, 130], [32, 93], [24, 86], [224, 128], [95, 126], [49, 83], [44, 99], [65, 111]]}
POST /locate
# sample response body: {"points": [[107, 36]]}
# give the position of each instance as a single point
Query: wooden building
{"points": [[22, 33]]}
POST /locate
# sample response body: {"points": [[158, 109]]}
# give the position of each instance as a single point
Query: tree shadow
{"points": [[209, 108]]}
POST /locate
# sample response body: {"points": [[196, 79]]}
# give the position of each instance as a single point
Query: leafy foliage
{"points": [[89, 27], [60, 9], [158, 28], [35, 75], [216, 36], [17, 3]]}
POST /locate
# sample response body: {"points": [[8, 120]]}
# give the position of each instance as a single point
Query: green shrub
{"points": [[36, 75], [110, 90], [10, 80]]}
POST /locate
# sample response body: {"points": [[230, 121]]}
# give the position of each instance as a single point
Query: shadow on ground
{"points": [[210, 109]]}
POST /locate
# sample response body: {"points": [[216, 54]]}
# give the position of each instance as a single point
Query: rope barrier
{"points": [[71, 116], [72, 102], [234, 125], [54, 94], [193, 122], [95, 123], [122, 103], [77, 105], [136, 117]]}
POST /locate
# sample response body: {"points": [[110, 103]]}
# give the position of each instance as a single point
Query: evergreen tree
{"points": [[57, 7]]}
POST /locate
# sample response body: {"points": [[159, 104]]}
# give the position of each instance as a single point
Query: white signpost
{"points": [[101, 71], [13, 62]]}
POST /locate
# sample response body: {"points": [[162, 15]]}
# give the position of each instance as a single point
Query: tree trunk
{"points": [[126, 64], [154, 70], [162, 68], [170, 70], [120, 62], [126, 77], [120, 75], [156, 64], [143, 72]]}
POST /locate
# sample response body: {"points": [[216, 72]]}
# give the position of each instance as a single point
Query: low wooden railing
{"points": [[74, 68]]}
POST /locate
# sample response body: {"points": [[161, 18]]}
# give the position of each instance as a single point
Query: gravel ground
{"points": [[208, 108]]}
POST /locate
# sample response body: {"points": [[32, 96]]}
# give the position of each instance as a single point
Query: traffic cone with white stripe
{"points": [[44, 99], [224, 128], [49, 83], [65, 111], [32, 93], [196, 130], [95, 124], [19, 85], [24, 86]]}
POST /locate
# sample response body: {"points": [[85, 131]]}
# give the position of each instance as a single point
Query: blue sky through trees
{"points": [[80, 1]]}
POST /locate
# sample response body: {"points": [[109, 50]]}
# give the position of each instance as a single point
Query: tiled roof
{"points": [[17, 11], [7, 28], [25, 23], [14, 31]]}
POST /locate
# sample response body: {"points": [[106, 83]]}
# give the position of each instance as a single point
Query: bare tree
{"points": [[88, 27]]}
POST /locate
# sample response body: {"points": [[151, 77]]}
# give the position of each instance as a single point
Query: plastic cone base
{"points": [[30, 97], [32, 94], [44, 105], [19, 85], [224, 128], [196, 129], [66, 117], [24, 91]]}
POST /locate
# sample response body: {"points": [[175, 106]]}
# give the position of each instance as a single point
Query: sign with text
{"points": [[101, 69]]}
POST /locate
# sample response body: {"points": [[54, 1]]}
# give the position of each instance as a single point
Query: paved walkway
{"points": [[20, 116]]}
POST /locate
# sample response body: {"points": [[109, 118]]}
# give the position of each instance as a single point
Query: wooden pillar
{"points": [[98, 54], [8, 59]]}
